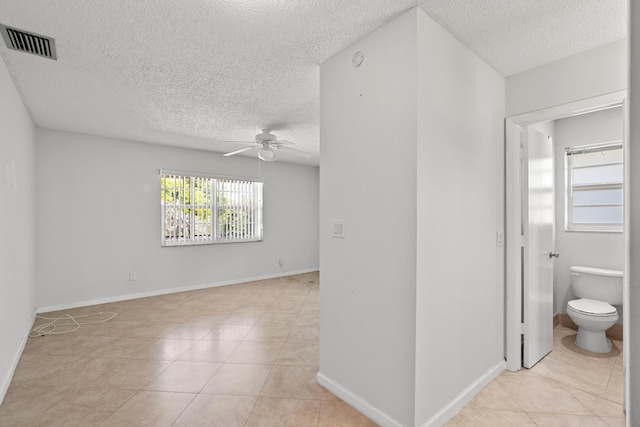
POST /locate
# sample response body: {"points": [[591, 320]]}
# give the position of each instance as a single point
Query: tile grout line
{"points": [[178, 323]]}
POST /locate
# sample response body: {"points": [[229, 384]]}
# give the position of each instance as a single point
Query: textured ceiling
{"points": [[518, 35], [193, 74]]}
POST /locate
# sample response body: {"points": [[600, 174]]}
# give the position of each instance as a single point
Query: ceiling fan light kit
{"points": [[267, 154], [267, 143]]}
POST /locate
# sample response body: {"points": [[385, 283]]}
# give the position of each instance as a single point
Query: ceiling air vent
{"points": [[28, 42]]}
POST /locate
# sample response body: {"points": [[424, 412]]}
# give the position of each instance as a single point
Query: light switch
{"points": [[338, 229], [500, 238]]}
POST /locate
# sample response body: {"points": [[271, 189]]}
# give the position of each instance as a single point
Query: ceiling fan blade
{"points": [[242, 150], [283, 142], [242, 142], [294, 151]]}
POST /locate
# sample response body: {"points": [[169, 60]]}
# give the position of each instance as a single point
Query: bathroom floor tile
{"points": [[600, 406], [494, 396], [615, 422], [538, 394], [614, 391], [562, 420]]}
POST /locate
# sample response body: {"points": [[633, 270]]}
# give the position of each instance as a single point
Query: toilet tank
{"points": [[597, 284]]}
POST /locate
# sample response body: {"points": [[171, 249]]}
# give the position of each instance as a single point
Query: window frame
{"points": [[572, 226], [254, 209]]}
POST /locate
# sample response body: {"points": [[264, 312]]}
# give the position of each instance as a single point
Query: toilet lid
{"points": [[593, 307]]}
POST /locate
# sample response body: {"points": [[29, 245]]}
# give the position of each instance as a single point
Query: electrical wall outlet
{"points": [[133, 277]]}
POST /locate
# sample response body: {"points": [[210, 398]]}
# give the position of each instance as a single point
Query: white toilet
{"points": [[597, 289]]}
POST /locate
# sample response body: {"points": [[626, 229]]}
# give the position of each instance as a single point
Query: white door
{"points": [[538, 213]]}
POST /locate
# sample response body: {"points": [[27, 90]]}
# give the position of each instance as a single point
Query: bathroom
{"points": [[576, 247], [541, 249], [554, 224]]}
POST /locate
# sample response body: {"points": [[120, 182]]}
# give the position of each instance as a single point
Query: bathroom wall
{"points": [[17, 226], [604, 250]]}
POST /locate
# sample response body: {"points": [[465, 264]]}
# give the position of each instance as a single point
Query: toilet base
{"points": [[595, 341]]}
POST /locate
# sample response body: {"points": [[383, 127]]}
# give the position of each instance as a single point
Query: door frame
{"points": [[514, 126]]}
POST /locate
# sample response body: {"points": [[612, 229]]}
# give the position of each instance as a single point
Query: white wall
{"points": [[17, 222], [460, 202], [368, 178], [412, 159], [99, 219], [595, 72], [632, 330], [604, 250]]}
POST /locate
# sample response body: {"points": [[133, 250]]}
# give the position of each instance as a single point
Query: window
{"points": [[206, 209], [594, 176]]}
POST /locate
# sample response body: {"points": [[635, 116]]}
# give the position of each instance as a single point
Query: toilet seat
{"points": [[592, 307]]}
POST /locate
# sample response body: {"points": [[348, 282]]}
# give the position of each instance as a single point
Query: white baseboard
{"points": [[449, 410], [372, 412], [126, 297], [378, 416], [7, 381], [16, 359]]}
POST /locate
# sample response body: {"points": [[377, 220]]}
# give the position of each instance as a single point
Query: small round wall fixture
{"points": [[358, 57]]}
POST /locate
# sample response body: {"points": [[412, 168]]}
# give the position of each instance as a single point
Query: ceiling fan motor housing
{"points": [[265, 136]]}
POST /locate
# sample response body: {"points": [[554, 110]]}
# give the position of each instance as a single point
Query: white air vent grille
{"points": [[28, 42]]}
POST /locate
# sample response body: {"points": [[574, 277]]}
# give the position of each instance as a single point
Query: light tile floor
{"points": [[247, 355], [569, 387], [240, 355]]}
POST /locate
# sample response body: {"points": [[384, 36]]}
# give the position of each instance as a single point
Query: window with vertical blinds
{"points": [[208, 209], [595, 177]]}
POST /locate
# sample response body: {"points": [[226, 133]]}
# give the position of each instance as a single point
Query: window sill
{"points": [[181, 244], [593, 231]]}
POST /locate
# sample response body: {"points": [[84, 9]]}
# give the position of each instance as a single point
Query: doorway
{"points": [[516, 139]]}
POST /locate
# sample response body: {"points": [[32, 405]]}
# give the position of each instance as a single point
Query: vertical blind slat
{"points": [[199, 210]]}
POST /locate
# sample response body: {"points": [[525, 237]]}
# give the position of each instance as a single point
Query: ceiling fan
{"points": [[267, 143]]}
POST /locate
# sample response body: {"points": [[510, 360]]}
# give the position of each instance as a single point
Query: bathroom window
{"points": [[198, 210], [594, 175]]}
